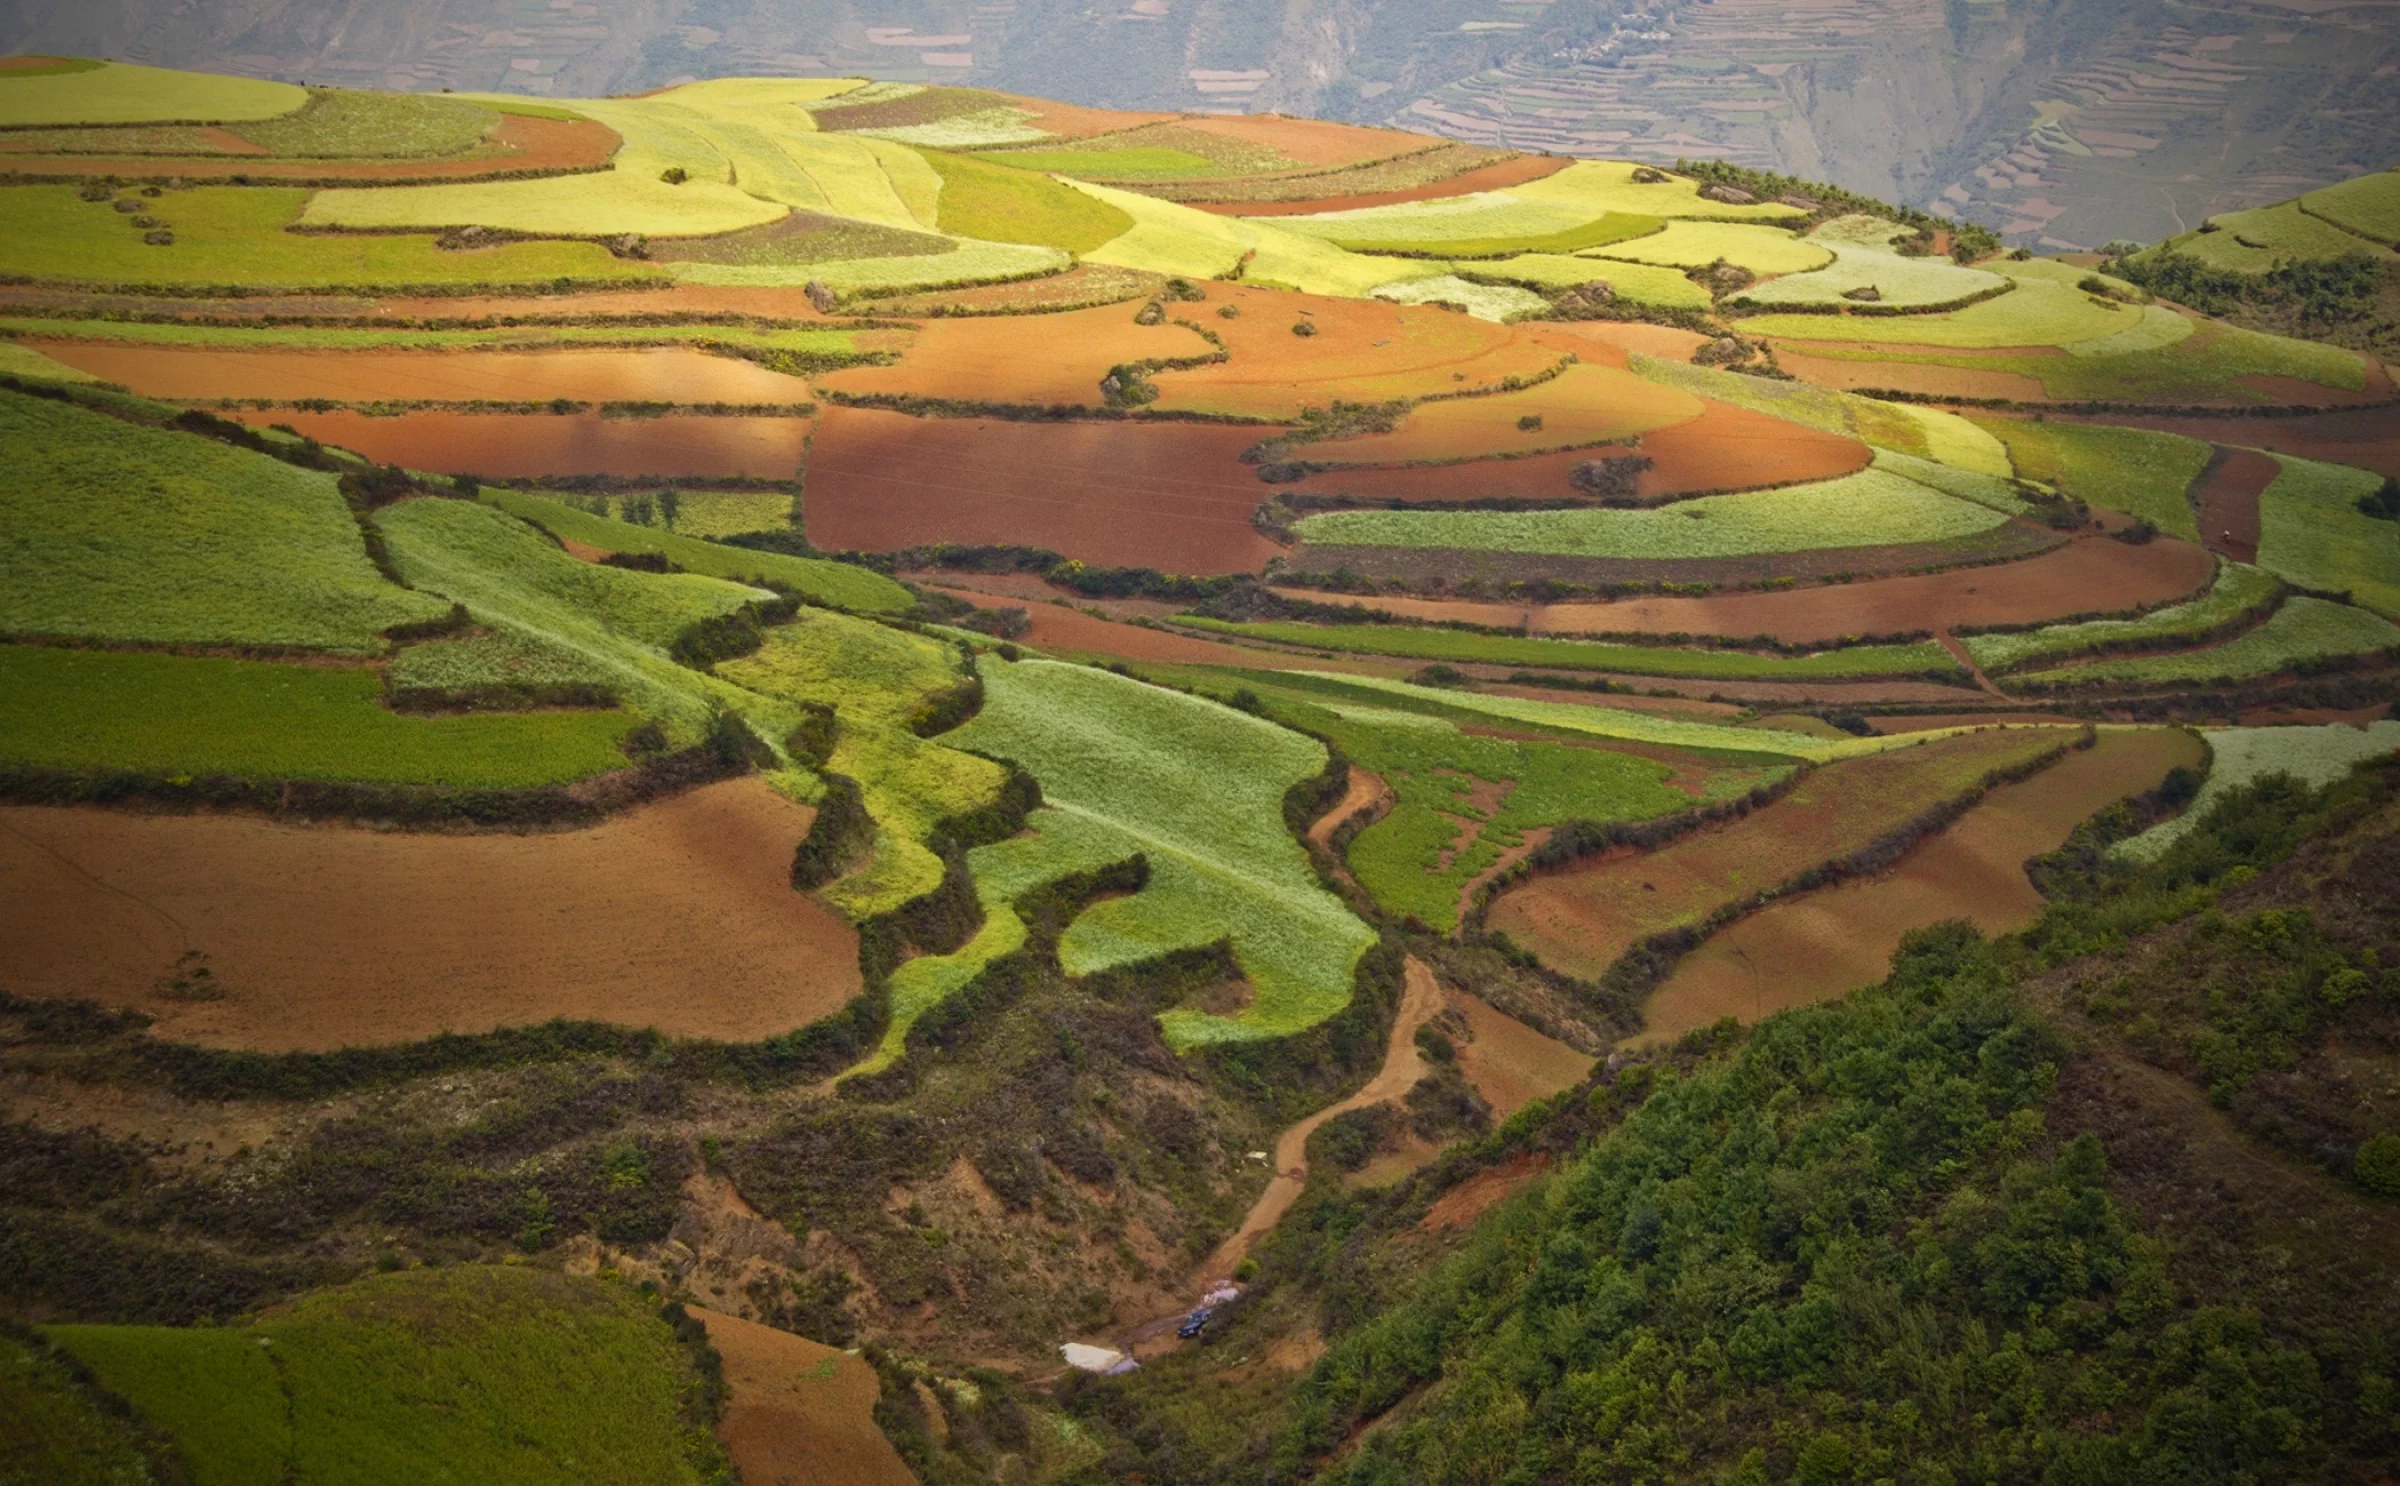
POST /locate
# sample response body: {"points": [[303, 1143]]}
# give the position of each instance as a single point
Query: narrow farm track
{"points": [[1403, 1065], [2226, 497], [1958, 652], [1366, 791]]}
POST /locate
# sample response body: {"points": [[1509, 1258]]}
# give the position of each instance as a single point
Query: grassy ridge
{"points": [[118, 532], [2302, 631], [2131, 470], [1640, 660], [172, 715]]}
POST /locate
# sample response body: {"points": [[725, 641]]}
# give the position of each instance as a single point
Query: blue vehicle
{"points": [[1194, 1322]]}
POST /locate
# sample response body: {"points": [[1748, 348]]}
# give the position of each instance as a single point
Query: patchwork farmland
{"points": [[917, 723]]}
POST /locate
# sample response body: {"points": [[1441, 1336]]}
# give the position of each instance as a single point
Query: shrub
{"points": [[1304, 327], [2377, 1165]]}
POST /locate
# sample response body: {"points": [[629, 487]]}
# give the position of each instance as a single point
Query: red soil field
{"points": [[1043, 360], [1173, 496], [678, 915], [1610, 342], [1497, 177], [2081, 577], [1582, 918], [1582, 406], [797, 1410], [1724, 448], [1074, 121], [543, 146], [1365, 350], [1317, 142], [1824, 944], [1905, 376], [659, 374], [2366, 437], [1060, 629], [1485, 1190], [2228, 502], [509, 445], [1509, 1063]]}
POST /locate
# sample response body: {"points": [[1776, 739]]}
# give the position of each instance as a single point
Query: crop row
{"points": [[1470, 646]]}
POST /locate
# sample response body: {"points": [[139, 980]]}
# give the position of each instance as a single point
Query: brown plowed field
{"points": [[679, 915], [651, 374], [1485, 1190], [1582, 918], [1509, 1063], [508, 445], [2366, 437], [1610, 342], [1826, 694], [1826, 943], [1905, 376], [1044, 360], [1310, 141], [1724, 448], [1074, 121], [2082, 577], [2228, 500], [1172, 496], [799, 1411], [1365, 350], [1498, 177], [546, 146], [1056, 628], [1582, 406]]}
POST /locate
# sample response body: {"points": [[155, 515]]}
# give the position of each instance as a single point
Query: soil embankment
{"points": [[678, 915], [798, 1411]]}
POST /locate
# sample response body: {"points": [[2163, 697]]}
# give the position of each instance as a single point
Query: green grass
{"points": [[2368, 206], [344, 123], [840, 584], [235, 235], [726, 513], [116, 532], [2313, 534], [2131, 470], [1762, 250], [2314, 756], [24, 361], [111, 711], [1197, 788], [1861, 262], [1873, 508], [503, 658], [1639, 660], [2303, 630], [2255, 241], [875, 677], [997, 204], [1481, 216], [56, 1435], [1596, 186], [627, 198], [1122, 163], [1497, 302], [499, 1375], [214, 1391], [122, 93], [2045, 309], [2238, 590], [963, 263], [1615, 227], [1885, 425], [1642, 283], [618, 623], [2161, 357]]}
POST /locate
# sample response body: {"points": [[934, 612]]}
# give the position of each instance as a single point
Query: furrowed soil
{"points": [[2366, 437], [670, 374], [1043, 360], [2228, 492], [1905, 376], [1510, 1064], [797, 1410], [512, 445], [1497, 177], [1582, 918], [678, 915], [2083, 577], [1824, 944], [1723, 448], [1314, 142], [1364, 350], [1583, 406], [529, 146], [1061, 629], [1171, 496], [1074, 121]]}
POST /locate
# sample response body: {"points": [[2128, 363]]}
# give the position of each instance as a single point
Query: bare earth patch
{"points": [[672, 374], [799, 1411], [510, 445]]}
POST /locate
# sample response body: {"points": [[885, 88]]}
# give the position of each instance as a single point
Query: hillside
{"points": [[901, 780]]}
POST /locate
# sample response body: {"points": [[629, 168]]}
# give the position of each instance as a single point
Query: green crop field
{"points": [[2303, 630], [1117, 163], [725, 513], [1595, 186], [1497, 302], [2238, 590], [236, 235], [2312, 533], [343, 123], [1638, 660], [1862, 261], [1615, 227], [474, 1372], [57, 1435], [1873, 508], [840, 584], [2045, 309], [803, 340], [1198, 788], [122, 93], [117, 532], [111, 711], [31, 365], [2131, 470], [875, 677], [1642, 283], [619, 623], [1762, 250], [2239, 757], [1885, 425], [2255, 241], [506, 658], [998, 204], [2368, 206], [963, 263], [1481, 216]]}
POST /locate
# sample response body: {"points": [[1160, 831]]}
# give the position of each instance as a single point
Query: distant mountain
{"points": [[2062, 122]]}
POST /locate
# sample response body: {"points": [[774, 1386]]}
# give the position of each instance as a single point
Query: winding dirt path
{"points": [[1365, 792], [1403, 1065]]}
